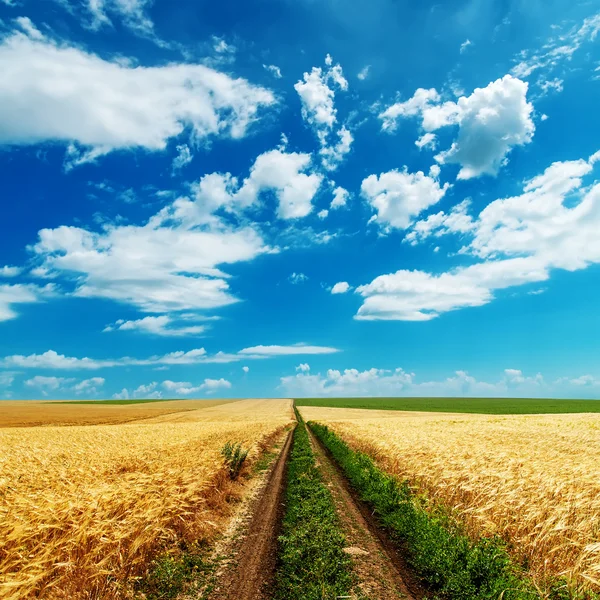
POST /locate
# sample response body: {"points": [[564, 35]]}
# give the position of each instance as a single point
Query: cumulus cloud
{"points": [[147, 391], [11, 295], [456, 221], [61, 93], [47, 384], [340, 198], [174, 262], [318, 110], [55, 361], [185, 388], [89, 386], [428, 141], [420, 296], [246, 369], [553, 224], [341, 287], [491, 122], [161, 325], [184, 157], [399, 196], [398, 382], [7, 271]]}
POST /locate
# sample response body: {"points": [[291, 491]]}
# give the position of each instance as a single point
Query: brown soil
{"points": [[254, 559], [382, 572]]}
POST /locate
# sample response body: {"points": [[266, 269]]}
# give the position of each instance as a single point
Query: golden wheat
{"points": [[83, 509], [534, 480]]}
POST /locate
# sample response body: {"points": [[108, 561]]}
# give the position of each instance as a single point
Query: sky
{"points": [[279, 198]]}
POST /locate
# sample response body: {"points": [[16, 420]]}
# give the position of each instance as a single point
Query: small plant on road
{"points": [[234, 456]]}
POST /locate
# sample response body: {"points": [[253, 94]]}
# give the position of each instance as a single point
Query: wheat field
{"points": [[83, 509], [534, 480]]}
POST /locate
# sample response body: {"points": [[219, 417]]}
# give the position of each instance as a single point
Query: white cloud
{"points": [[398, 382], [185, 388], [161, 326], [551, 85], [428, 141], [89, 386], [340, 198], [399, 196], [6, 379], [465, 45], [21, 294], [52, 360], [415, 106], [10, 271], [553, 224], [544, 117], [303, 368], [420, 296], [323, 214], [56, 92], [172, 263], [441, 223], [287, 350], [184, 157], [246, 369], [364, 72], [286, 175], [274, 70], [341, 287], [212, 385], [491, 121], [319, 111], [296, 278], [558, 49], [29, 28], [350, 382], [47, 384]]}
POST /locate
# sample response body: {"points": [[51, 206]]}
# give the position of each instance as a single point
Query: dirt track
{"points": [[256, 556], [382, 573]]}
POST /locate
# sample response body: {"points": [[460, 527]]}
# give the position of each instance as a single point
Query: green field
{"points": [[490, 406], [113, 402]]}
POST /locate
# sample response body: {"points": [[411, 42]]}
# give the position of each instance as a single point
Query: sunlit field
{"points": [[84, 508], [533, 480]]}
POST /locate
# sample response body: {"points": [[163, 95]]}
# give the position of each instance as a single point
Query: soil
{"points": [[381, 570], [252, 568]]}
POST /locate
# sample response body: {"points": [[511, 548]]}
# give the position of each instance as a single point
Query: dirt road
{"points": [[382, 572], [255, 559]]}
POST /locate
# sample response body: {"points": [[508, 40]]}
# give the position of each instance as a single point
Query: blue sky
{"points": [[305, 198]]}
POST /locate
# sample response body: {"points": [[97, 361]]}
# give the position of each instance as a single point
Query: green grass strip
{"points": [[484, 406], [312, 564], [452, 565]]}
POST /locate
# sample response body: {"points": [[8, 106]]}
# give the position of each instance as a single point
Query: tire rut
{"points": [[254, 563], [382, 572]]}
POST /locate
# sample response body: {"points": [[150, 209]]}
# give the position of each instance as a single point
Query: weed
{"points": [[235, 457]]}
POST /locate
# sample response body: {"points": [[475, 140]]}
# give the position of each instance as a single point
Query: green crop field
{"points": [[491, 406]]}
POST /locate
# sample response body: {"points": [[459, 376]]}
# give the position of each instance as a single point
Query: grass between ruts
{"points": [[311, 563], [453, 566], [490, 406]]}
